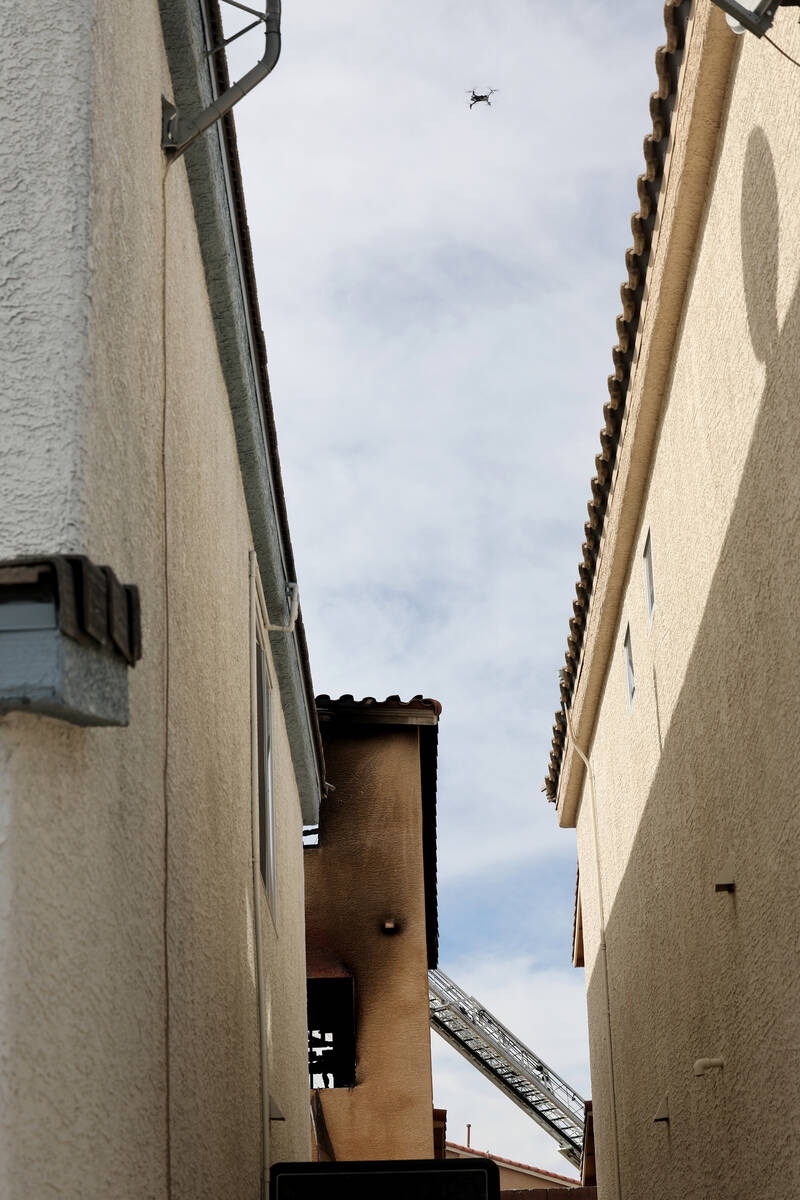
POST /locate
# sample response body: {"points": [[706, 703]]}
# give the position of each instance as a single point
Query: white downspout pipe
{"points": [[293, 597], [602, 949], [179, 133]]}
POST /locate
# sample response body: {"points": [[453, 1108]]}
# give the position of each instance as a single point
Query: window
{"points": [[266, 808], [649, 586], [263, 803], [331, 1032], [626, 645]]}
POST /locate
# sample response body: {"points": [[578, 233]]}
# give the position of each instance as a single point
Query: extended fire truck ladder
{"points": [[519, 1073]]}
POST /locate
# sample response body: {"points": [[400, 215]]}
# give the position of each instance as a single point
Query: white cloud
{"points": [[439, 289]]}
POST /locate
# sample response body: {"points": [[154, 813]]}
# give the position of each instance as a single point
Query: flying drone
{"points": [[480, 98]]}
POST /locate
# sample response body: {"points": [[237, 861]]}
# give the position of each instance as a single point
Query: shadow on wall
{"points": [[694, 972]]}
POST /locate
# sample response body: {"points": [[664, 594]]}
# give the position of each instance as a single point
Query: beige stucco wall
{"points": [[514, 1179], [699, 773], [369, 866], [128, 1011]]}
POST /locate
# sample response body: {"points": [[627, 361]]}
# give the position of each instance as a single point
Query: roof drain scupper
{"points": [[178, 132]]}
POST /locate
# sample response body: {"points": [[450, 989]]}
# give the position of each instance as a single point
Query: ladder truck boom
{"points": [[519, 1073]]}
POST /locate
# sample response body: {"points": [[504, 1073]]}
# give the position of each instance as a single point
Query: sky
{"points": [[438, 289]]}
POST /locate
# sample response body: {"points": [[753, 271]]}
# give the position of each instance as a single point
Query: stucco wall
{"points": [[129, 1027], [698, 774], [516, 1179], [368, 866], [45, 166]]}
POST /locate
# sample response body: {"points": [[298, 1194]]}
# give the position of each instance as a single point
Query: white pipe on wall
{"points": [[602, 949]]}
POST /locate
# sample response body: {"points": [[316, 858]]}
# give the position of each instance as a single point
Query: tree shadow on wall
{"points": [[695, 972]]}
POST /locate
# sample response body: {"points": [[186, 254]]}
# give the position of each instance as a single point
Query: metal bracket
{"points": [[169, 121], [755, 20]]}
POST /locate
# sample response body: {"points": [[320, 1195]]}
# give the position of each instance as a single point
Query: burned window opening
{"points": [[331, 1033]]}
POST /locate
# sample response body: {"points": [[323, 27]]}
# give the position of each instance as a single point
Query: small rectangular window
{"points": [[331, 1032], [629, 665], [266, 807], [649, 586]]}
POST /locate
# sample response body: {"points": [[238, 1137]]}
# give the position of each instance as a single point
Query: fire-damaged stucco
{"points": [[366, 909]]}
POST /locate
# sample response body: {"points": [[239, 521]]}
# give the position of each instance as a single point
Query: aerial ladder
{"points": [[519, 1073]]}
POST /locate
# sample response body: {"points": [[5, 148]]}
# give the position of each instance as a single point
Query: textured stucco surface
{"points": [[107, 1079], [45, 164], [698, 776], [369, 866]]}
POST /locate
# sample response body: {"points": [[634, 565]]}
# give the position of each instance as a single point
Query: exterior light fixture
{"points": [[69, 631], [750, 16], [179, 131]]}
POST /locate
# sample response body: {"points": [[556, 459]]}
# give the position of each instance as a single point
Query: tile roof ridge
{"points": [[668, 60], [347, 700]]}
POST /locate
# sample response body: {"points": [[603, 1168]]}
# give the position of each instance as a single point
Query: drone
{"points": [[479, 98]]}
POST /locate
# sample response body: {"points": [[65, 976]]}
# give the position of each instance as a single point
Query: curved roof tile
{"points": [[662, 102]]}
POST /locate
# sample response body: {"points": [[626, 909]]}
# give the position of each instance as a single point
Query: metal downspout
{"points": [[179, 133]]}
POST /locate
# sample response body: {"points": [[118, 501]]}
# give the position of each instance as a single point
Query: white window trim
{"points": [[259, 639], [257, 629]]}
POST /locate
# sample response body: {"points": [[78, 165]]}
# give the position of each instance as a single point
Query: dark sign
{"points": [[409, 1179]]}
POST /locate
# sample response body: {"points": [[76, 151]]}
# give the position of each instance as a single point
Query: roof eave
{"points": [[689, 139]]}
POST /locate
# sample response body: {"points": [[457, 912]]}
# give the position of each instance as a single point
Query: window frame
{"points": [[263, 750]]}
